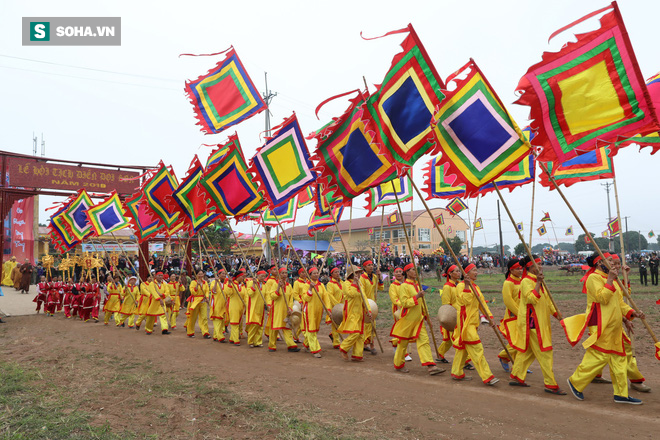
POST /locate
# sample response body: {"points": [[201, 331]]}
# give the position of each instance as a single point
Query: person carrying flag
{"points": [[370, 283]]}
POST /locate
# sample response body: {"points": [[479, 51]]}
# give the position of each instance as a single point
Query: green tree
{"points": [[538, 248], [220, 236], [519, 249], [455, 243], [568, 247]]}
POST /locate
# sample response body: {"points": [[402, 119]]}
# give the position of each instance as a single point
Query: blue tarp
{"points": [[309, 245]]}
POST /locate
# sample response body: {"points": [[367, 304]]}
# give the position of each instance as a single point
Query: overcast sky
{"points": [[132, 109]]}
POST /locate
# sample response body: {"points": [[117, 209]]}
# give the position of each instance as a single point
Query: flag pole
{"points": [[476, 211], [221, 263], [467, 243], [365, 304], [531, 219], [380, 235], [528, 250], [425, 309], [482, 306], [598, 250]]}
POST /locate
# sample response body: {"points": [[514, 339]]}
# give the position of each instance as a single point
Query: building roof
{"points": [[309, 245], [365, 223]]}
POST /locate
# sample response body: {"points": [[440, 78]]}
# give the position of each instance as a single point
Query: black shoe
{"points": [[123, 325], [166, 332], [294, 350], [469, 367], [1, 321], [207, 336], [442, 361]]}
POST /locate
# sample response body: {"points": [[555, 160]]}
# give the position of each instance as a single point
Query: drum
{"points": [[397, 314], [374, 310], [447, 315], [338, 314], [168, 301]]}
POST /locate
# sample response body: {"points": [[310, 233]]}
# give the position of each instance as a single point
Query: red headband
{"points": [[282, 269], [615, 257], [469, 267], [366, 263], [450, 269], [531, 263], [262, 272], [310, 269], [516, 266], [301, 271], [399, 267], [408, 266], [159, 273], [334, 269]]}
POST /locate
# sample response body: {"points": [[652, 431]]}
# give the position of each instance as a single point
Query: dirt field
{"points": [[68, 379]]}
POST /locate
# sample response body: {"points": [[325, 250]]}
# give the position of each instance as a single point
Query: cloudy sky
{"points": [[126, 105]]}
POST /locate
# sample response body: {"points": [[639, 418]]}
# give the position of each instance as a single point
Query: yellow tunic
{"points": [[282, 301], [175, 292], [198, 292], [511, 298], [145, 294], [7, 270], [395, 287], [219, 299], [235, 305], [353, 310], [158, 293], [312, 308], [113, 304], [468, 315], [334, 292], [269, 286], [369, 286], [300, 288], [412, 318], [534, 312], [128, 306], [255, 303]]}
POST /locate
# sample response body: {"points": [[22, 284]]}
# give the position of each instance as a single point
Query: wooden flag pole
{"points": [[303, 266], [621, 241], [476, 212], [531, 220], [482, 306], [256, 282], [365, 304], [221, 263], [215, 272], [598, 250], [425, 310], [380, 235], [527, 249]]}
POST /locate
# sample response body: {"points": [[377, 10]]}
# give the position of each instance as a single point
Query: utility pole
{"points": [[499, 222], [609, 214], [43, 146], [268, 96], [34, 144]]}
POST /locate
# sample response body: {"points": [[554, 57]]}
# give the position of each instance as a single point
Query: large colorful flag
{"points": [[653, 139], [191, 201], [157, 190], [224, 96], [321, 222], [386, 194], [346, 156], [324, 201], [542, 230], [229, 185], [593, 165], [403, 105], [221, 150], [546, 217], [306, 197], [456, 205], [588, 94], [143, 223], [76, 215], [569, 230], [614, 227], [108, 216], [284, 213], [59, 232], [282, 167], [479, 138], [437, 185], [518, 175]]}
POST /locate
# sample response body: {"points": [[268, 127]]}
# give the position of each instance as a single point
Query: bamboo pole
{"points": [[476, 212], [482, 306], [531, 220], [380, 235], [222, 264], [425, 310]]}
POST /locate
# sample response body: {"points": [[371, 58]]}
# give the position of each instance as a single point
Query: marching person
{"points": [[511, 297], [52, 298], [159, 291], [113, 303], [370, 283], [198, 306], [604, 318], [534, 336], [236, 306], [143, 304], [255, 310], [394, 293], [282, 298], [300, 288], [129, 303], [448, 296], [466, 338], [269, 286], [313, 311], [410, 327], [219, 291], [68, 298], [176, 289], [335, 296], [352, 324], [95, 287], [42, 291]]}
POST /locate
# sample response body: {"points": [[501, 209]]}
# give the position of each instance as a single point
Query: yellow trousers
{"points": [[368, 330], [254, 332], [173, 319], [476, 353], [218, 329], [201, 314], [354, 341], [423, 350], [593, 363], [513, 352], [149, 326], [446, 343], [632, 370], [140, 319], [522, 361], [312, 342], [235, 334], [288, 339], [122, 319], [335, 337], [106, 317]]}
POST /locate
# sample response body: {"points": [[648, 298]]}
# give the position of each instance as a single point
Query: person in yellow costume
{"points": [[143, 304], [369, 283], [159, 291], [355, 307], [335, 296], [198, 306], [511, 298], [219, 318], [466, 339], [113, 303], [7, 270], [604, 319], [176, 288], [129, 303], [534, 336], [282, 298], [448, 297], [300, 288], [313, 311], [410, 327], [255, 310], [394, 289], [269, 286], [635, 376], [236, 306]]}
